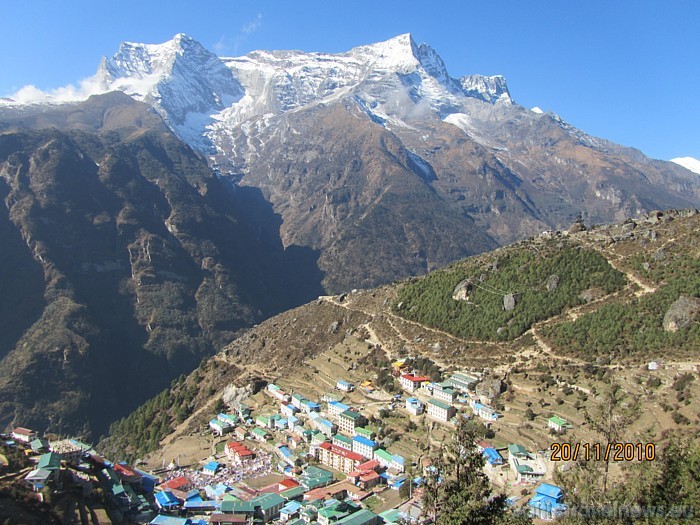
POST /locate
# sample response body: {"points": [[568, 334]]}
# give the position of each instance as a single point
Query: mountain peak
{"points": [[397, 53], [489, 89]]}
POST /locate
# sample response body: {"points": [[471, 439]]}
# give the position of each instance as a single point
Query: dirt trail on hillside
{"points": [[644, 289]]}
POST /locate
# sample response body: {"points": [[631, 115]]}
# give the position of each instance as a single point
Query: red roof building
{"points": [[372, 464], [412, 382], [288, 483], [127, 473], [23, 434], [238, 451], [369, 479], [179, 483], [339, 458]]}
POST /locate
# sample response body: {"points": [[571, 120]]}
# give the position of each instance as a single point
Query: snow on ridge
{"points": [[398, 53], [204, 98], [689, 163], [536, 109]]}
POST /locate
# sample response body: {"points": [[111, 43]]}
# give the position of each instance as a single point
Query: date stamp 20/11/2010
{"points": [[603, 452]]}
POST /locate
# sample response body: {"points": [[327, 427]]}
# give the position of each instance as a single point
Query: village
{"points": [[300, 454]]}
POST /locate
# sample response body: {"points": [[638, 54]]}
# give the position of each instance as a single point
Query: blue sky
{"points": [[628, 71]]}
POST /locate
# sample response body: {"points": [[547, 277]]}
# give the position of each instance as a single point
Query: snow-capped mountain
{"points": [[180, 78], [690, 163], [202, 96], [334, 141]]}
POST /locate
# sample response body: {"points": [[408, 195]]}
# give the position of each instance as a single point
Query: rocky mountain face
{"points": [[381, 160], [130, 251], [528, 317], [125, 262]]}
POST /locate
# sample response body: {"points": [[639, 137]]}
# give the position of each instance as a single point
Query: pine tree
{"points": [[457, 492]]}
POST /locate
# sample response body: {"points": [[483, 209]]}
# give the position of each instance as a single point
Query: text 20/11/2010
{"points": [[603, 452]]}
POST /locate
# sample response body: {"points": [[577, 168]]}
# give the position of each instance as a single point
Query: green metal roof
{"points": [[342, 439], [516, 450], [237, 507], [361, 517], [50, 461], [383, 454], [390, 516], [292, 493], [268, 501], [366, 432], [439, 404], [559, 421], [259, 432], [352, 415]]}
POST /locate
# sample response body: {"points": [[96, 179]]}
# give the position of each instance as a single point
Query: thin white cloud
{"points": [[252, 26], [31, 94], [226, 45]]}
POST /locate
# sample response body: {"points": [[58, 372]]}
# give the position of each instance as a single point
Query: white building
{"points": [[440, 411], [414, 406], [527, 467], [412, 382], [364, 446]]}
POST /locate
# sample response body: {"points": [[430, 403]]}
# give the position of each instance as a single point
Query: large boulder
{"points": [[681, 313], [462, 290], [509, 302]]}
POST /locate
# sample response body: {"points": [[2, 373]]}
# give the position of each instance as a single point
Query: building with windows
{"points": [[338, 458], [382, 457], [527, 467], [444, 392], [342, 441], [363, 446], [349, 420], [485, 412], [493, 457], [23, 435], [414, 406], [412, 382], [335, 408], [440, 411], [345, 386], [462, 382]]}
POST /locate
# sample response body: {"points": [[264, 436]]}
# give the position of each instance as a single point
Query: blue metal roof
{"points": [[492, 456], [166, 499], [552, 491], [398, 459], [364, 441], [291, 507], [212, 465]]}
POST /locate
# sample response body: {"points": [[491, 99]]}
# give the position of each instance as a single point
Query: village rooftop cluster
{"points": [[322, 458]]}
